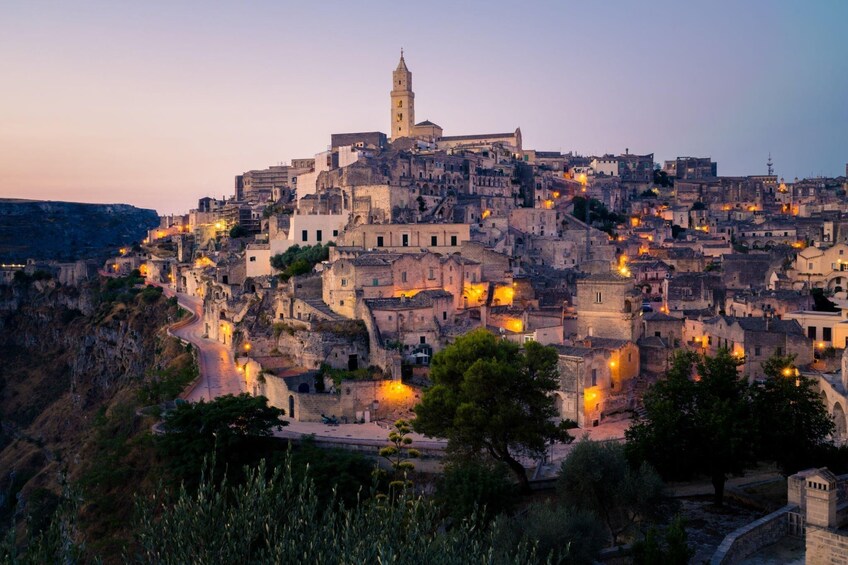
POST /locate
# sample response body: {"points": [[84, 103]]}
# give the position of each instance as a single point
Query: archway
{"points": [[839, 430], [303, 387]]}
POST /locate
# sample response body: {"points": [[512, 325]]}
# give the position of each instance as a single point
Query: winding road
{"points": [[218, 373]]}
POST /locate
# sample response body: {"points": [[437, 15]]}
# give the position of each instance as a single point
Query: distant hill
{"points": [[67, 231]]}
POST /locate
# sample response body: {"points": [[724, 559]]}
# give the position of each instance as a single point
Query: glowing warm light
{"points": [[202, 262], [787, 372], [581, 178], [219, 225], [704, 229], [798, 244], [123, 250], [247, 346], [144, 270], [612, 364], [503, 295], [634, 221], [752, 208], [514, 325], [591, 395], [555, 194], [115, 266], [486, 213], [160, 233], [821, 345], [549, 204]]}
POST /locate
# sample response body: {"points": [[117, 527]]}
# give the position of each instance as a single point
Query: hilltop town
{"points": [[334, 279]]}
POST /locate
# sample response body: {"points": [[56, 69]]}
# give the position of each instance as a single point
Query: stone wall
{"points": [[826, 546], [354, 401], [751, 537]]}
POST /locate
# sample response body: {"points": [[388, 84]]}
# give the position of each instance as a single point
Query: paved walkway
{"points": [[218, 373]]}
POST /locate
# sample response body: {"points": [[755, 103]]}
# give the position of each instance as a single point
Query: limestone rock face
{"points": [[67, 231]]}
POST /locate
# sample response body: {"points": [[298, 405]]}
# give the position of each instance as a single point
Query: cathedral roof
{"points": [[401, 64]]}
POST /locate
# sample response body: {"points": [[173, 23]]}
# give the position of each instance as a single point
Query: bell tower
{"points": [[403, 101]]}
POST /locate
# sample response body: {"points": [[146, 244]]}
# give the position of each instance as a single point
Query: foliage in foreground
{"points": [[274, 519]]}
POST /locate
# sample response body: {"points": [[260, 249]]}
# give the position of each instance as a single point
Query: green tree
{"points": [[239, 230], [491, 397], [792, 421], [596, 477], [562, 536], [478, 488], [698, 420], [297, 260], [223, 430], [675, 550], [399, 453]]}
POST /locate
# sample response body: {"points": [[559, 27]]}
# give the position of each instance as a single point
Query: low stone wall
{"points": [[744, 541], [826, 546]]}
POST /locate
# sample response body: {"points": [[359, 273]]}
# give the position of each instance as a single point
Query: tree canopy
{"points": [[705, 419], [792, 422], [227, 428], [597, 478], [698, 420], [297, 260], [491, 397]]}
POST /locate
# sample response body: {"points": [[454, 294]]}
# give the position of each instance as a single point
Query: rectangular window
{"points": [[252, 259], [779, 351], [376, 282], [379, 241], [434, 241], [826, 334], [431, 274], [757, 351], [344, 282], [319, 235], [423, 339], [811, 332], [403, 276], [594, 377], [341, 302], [598, 298], [404, 240], [444, 315], [304, 235], [453, 241], [335, 233]]}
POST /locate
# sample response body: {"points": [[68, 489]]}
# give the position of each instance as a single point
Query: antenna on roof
{"points": [[770, 165]]}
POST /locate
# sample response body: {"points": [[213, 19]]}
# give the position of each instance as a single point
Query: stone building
{"points": [[437, 238], [388, 275], [596, 378], [692, 291], [754, 339], [691, 168], [757, 303], [414, 324], [608, 306]]}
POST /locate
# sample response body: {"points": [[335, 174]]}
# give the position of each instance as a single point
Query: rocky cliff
{"points": [[67, 231], [76, 364]]}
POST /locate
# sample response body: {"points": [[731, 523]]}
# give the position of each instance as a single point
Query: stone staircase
{"points": [[322, 307]]}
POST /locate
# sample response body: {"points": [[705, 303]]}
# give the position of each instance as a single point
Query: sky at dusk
{"points": [[157, 104]]}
